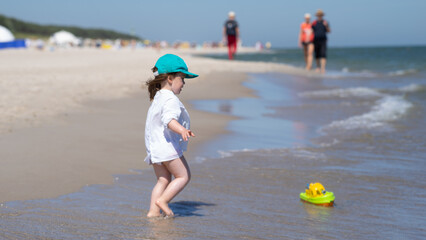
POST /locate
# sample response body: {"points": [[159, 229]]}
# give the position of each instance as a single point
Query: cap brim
{"points": [[189, 74]]}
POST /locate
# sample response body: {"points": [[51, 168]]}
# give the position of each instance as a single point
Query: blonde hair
{"points": [[154, 85]]}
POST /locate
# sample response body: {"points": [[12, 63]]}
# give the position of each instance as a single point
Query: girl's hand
{"points": [[186, 134], [179, 129]]}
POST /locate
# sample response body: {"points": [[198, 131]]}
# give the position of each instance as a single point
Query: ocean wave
{"points": [[361, 92], [346, 72], [230, 153], [200, 159], [402, 72], [389, 108], [306, 154], [412, 88], [298, 152], [329, 144]]}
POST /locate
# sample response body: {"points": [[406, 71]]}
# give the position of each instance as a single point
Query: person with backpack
{"points": [[231, 34], [320, 28]]}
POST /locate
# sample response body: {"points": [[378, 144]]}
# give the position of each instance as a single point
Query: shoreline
{"points": [[40, 85], [102, 136]]}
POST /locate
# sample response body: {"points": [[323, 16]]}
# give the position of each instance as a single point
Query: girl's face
{"points": [[177, 83]]}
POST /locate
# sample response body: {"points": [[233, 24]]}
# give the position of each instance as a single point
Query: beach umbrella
{"points": [[5, 35], [64, 38]]}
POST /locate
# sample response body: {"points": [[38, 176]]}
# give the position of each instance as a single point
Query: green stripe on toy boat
{"points": [[326, 198]]}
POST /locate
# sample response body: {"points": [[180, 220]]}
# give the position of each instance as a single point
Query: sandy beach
{"points": [[72, 147], [75, 117]]}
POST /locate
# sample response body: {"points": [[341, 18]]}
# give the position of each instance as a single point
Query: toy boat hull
{"points": [[326, 200]]}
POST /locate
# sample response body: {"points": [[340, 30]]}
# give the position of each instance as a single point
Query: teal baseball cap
{"points": [[171, 63]]}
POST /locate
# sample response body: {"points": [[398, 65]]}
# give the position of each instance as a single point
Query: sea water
{"points": [[359, 130]]}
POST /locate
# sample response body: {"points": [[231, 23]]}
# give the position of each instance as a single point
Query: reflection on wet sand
{"points": [[225, 107], [163, 228], [169, 228]]}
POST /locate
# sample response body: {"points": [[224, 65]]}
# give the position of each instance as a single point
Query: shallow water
{"points": [[365, 62], [363, 138]]}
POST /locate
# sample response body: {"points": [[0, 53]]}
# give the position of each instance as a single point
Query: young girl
{"points": [[167, 132]]}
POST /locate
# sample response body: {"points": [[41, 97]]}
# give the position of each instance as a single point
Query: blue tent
{"points": [[18, 43]]}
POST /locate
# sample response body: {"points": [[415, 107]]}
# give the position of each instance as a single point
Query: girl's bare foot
{"points": [[165, 207], [154, 214]]}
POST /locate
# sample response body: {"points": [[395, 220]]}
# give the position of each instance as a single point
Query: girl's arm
{"points": [[179, 129]]}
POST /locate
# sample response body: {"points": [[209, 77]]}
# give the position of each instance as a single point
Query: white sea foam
{"points": [[225, 154], [346, 72], [329, 144], [345, 69], [361, 92], [412, 88], [306, 154], [402, 72], [387, 109], [230, 153], [199, 159]]}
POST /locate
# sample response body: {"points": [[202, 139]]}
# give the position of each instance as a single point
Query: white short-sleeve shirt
{"points": [[162, 144]]}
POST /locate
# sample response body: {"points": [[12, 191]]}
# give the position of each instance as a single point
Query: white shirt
{"points": [[162, 144]]}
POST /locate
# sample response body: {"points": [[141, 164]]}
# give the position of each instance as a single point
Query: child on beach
{"points": [[167, 132]]}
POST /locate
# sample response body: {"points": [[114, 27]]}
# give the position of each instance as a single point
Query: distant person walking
{"points": [[306, 40], [231, 32], [321, 28]]}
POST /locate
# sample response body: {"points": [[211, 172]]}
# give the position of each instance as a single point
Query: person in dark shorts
{"points": [[231, 34], [320, 27]]}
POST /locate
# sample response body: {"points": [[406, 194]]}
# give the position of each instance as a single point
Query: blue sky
{"points": [[353, 23]]}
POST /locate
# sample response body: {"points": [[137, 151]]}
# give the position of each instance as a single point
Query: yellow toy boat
{"points": [[315, 193]]}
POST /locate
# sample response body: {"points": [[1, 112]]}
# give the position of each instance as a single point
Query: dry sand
{"points": [[75, 117]]}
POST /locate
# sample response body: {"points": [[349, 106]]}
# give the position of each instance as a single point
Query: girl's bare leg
{"points": [[163, 179], [180, 170]]}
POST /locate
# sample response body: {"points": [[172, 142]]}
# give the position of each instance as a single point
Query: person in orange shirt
{"points": [[306, 40]]}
